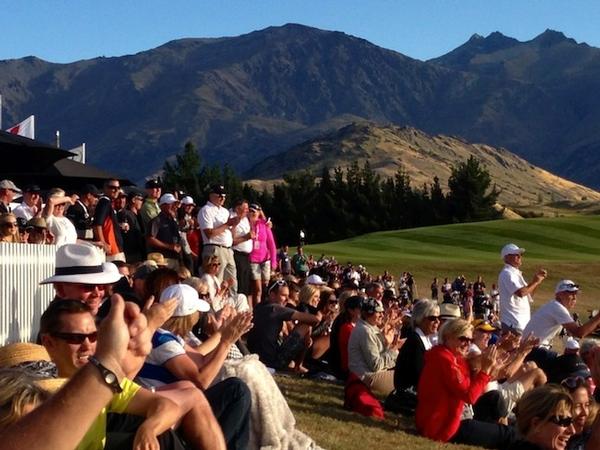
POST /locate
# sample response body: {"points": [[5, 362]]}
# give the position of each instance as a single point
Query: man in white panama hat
{"points": [[82, 274]]}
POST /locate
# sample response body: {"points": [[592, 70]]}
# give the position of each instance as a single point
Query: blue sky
{"points": [[64, 31]]}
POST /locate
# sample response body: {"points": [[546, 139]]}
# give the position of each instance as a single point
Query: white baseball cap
{"points": [[167, 199], [566, 286], [187, 200], [315, 279], [188, 301], [511, 249]]}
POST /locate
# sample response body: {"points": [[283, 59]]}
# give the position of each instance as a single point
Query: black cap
{"points": [[353, 302], [90, 189], [217, 189], [133, 194], [153, 183], [254, 206], [32, 188]]}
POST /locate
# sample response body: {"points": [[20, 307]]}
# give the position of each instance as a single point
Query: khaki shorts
{"points": [[261, 271]]}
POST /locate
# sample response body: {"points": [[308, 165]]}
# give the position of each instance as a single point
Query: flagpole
{"points": [[57, 139], [0, 112], [83, 158]]}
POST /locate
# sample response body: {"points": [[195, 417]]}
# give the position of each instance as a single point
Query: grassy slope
{"points": [[566, 247]]}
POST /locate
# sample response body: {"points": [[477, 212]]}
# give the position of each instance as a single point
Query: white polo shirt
{"points": [[242, 229], [547, 321], [514, 311], [24, 211], [211, 216]]}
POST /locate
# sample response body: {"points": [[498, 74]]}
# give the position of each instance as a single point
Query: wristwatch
{"points": [[108, 375]]}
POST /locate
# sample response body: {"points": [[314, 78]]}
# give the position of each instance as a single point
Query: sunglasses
{"points": [[561, 421], [277, 284], [10, 224], [76, 338], [203, 296], [91, 287], [573, 383], [433, 318], [465, 339]]}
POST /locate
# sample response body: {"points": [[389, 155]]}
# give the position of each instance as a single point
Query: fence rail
{"points": [[22, 299]]}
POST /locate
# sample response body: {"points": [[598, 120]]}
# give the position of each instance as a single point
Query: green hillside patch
{"points": [[566, 247]]}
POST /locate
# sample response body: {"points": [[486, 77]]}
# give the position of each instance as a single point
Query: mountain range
{"points": [[243, 99]]}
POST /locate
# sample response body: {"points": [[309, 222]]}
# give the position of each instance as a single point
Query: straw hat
{"points": [[158, 258], [12, 355]]}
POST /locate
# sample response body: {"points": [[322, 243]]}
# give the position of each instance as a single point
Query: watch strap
{"points": [[108, 376]]}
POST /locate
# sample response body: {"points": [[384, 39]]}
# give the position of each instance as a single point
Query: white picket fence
{"points": [[22, 299]]}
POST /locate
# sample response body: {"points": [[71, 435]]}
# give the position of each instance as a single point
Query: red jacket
{"points": [[446, 384]]}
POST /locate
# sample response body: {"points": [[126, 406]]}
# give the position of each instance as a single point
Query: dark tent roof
{"points": [[21, 153], [81, 174]]}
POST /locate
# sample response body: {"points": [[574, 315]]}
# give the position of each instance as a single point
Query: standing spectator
{"points": [[216, 225], [285, 262], [59, 226], [163, 235], [81, 212], [150, 208], [300, 263], [31, 204], [185, 221], [264, 253], [548, 320], [434, 289], [242, 247], [479, 286], [106, 226], [134, 240], [515, 293], [7, 194]]}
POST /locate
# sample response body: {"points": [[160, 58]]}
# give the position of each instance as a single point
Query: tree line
{"points": [[341, 203]]}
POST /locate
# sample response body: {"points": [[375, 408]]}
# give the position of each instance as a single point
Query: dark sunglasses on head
{"points": [[76, 338], [561, 421], [573, 383], [465, 339]]}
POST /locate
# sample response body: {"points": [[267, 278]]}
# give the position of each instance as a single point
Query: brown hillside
{"points": [[389, 147]]}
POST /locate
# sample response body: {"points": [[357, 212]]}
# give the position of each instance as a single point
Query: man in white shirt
{"points": [[515, 293], [217, 239], [31, 205], [547, 321]]}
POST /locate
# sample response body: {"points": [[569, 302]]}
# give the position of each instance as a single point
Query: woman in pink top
{"points": [[263, 256]]}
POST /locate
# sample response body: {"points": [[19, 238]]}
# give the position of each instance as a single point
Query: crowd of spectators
{"points": [[176, 316]]}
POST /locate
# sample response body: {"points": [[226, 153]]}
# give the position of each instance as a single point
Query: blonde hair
{"points": [[6, 236], [207, 261], [307, 292], [542, 402], [454, 328], [181, 326], [18, 392], [184, 273]]}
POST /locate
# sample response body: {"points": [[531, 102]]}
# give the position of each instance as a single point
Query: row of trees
{"points": [[343, 203]]}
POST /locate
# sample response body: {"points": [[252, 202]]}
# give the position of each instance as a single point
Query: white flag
{"points": [[25, 128], [79, 153]]}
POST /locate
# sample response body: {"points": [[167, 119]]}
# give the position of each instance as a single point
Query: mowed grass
{"points": [[319, 412], [566, 247]]}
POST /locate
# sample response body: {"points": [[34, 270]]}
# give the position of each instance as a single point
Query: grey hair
{"points": [[422, 309]]}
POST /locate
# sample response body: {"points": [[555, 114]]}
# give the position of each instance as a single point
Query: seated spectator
{"points": [[82, 275], [371, 355], [269, 317], [544, 419], [584, 411], [69, 333], [220, 293], [447, 383], [38, 231], [18, 396], [425, 321], [9, 229], [59, 226], [548, 320], [342, 328]]}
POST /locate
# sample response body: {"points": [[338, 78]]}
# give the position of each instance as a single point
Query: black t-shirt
{"points": [[164, 228], [263, 338], [103, 212]]}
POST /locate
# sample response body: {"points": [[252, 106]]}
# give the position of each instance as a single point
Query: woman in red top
{"points": [[447, 383]]}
